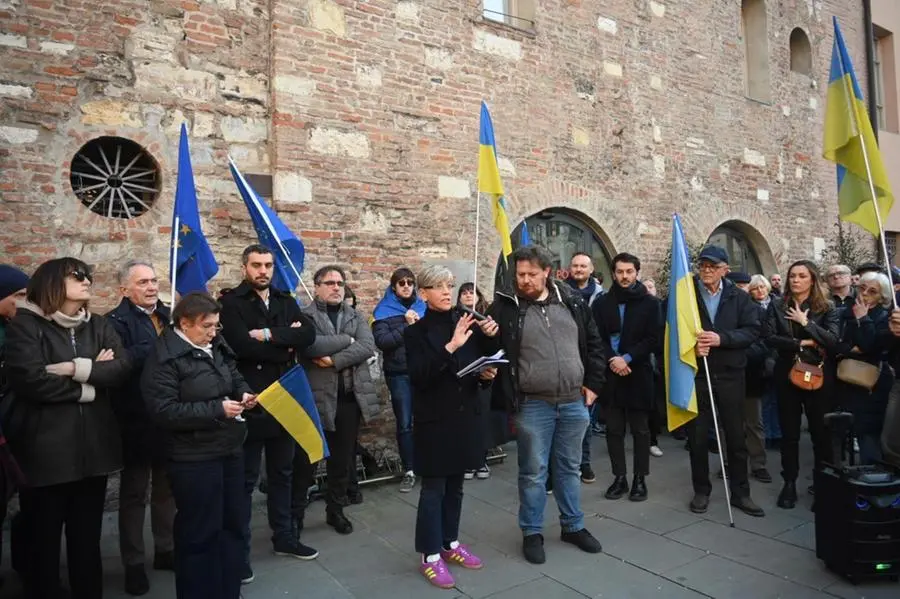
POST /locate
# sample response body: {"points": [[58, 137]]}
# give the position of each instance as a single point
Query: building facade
{"points": [[886, 21]]}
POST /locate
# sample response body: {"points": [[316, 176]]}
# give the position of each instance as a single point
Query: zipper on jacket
{"points": [[80, 405]]}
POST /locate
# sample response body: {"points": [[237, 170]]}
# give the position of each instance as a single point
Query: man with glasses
{"points": [[730, 323], [839, 279], [342, 384], [265, 328]]}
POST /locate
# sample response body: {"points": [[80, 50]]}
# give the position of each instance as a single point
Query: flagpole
{"points": [[271, 229], [862, 142], [477, 225], [715, 410], [176, 224]]}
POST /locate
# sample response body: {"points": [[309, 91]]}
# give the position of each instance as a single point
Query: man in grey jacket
{"points": [[341, 382]]}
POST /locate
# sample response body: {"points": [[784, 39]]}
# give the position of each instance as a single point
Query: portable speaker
{"points": [[858, 521]]}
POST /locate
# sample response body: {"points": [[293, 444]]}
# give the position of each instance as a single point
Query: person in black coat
{"points": [[196, 394], [803, 325], [63, 365], [628, 319], [449, 420], [139, 319], [265, 328]]}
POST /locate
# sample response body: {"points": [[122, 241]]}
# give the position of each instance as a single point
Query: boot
{"points": [[638, 489], [336, 519], [787, 499], [618, 488]]}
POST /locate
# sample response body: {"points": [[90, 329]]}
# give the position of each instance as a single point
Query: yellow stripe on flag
{"points": [[284, 408]]}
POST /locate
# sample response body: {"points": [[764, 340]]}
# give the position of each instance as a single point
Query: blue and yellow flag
{"points": [[682, 330], [290, 401], [847, 131], [193, 264], [489, 179]]}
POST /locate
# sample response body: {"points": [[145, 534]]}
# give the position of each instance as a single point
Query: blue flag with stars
{"points": [[191, 261]]}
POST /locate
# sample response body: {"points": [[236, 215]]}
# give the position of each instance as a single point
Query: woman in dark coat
{"points": [[448, 420], [62, 362], [865, 336], [196, 394], [628, 319], [803, 325]]}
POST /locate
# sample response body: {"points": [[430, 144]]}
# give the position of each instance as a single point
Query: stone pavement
{"points": [[655, 549]]}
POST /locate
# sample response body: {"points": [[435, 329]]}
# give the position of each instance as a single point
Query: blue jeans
{"points": [[437, 517], [546, 431], [279, 469], [771, 424], [588, 435], [401, 401]]}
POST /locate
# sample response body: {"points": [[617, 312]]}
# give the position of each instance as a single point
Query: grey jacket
{"points": [[350, 346]]}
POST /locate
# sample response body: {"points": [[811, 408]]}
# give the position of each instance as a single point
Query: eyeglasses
{"points": [[81, 276], [441, 287], [406, 283], [709, 266], [218, 326], [332, 283], [869, 290]]}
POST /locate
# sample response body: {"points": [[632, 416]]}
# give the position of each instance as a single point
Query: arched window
{"points": [[756, 48], [563, 234], [801, 52], [742, 256]]}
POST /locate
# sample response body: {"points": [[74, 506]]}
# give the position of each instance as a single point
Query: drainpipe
{"points": [[870, 64]]}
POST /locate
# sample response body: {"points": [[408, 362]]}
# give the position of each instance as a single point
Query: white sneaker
{"points": [[469, 475], [483, 473], [408, 482], [655, 451]]}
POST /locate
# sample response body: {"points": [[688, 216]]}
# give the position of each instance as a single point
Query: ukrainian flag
{"points": [[290, 401], [682, 330], [489, 179], [847, 131]]}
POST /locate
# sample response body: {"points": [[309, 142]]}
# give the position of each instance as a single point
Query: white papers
{"points": [[483, 363]]}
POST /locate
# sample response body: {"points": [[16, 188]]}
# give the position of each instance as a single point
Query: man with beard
{"points": [[628, 319], [775, 280], [266, 329]]}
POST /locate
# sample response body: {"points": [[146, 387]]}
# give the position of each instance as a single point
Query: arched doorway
{"points": [[564, 233], [742, 255]]}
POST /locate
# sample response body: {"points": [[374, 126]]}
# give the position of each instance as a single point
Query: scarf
{"points": [[391, 305], [622, 295], [588, 290], [63, 320]]}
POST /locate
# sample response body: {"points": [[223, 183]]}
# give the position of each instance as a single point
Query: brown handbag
{"points": [[859, 373], [808, 377]]}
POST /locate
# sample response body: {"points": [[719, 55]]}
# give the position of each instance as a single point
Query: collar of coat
{"points": [[126, 305], [245, 289]]}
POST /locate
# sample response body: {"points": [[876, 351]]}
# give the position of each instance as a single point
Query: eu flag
{"points": [[191, 261], [290, 401], [287, 248]]}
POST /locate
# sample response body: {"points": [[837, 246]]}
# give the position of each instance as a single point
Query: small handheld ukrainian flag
{"points": [[682, 330], [290, 401], [489, 179], [849, 142]]}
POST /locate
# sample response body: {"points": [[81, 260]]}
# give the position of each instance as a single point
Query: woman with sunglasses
{"points": [[399, 308], [62, 363], [866, 337], [197, 395]]}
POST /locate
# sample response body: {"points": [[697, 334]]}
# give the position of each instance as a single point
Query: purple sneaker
{"points": [[463, 557], [437, 574]]}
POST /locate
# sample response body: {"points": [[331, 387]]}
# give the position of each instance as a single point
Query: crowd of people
{"points": [[169, 401]]}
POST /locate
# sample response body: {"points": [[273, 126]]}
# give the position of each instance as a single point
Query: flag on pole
{"points": [[847, 129], [191, 260], [524, 237], [489, 179], [290, 401], [287, 248], [682, 330]]}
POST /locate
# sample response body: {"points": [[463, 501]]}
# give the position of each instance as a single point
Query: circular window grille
{"points": [[115, 177]]}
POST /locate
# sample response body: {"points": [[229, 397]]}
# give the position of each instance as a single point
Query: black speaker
{"points": [[858, 521]]}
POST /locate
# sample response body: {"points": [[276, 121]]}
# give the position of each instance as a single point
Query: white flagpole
{"points": [[270, 227], [477, 226], [862, 142], [176, 225]]}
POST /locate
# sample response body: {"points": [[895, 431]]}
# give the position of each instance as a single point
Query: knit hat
{"points": [[11, 280]]}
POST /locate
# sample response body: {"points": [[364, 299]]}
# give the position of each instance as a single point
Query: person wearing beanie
{"points": [[12, 288]]}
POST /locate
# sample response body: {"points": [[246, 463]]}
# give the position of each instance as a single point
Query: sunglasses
{"points": [[406, 283], [332, 283], [81, 276]]}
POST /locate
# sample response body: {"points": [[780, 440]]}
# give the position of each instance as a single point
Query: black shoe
{"points": [[699, 504], [548, 486], [787, 499], [746, 505], [723, 473], [679, 435], [713, 447], [136, 582], [533, 549], [638, 489], [587, 474], [247, 574], [292, 548], [164, 560], [355, 497], [339, 522], [583, 540], [618, 488], [762, 475]]}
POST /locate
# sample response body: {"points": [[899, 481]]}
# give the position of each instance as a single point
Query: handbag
{"points": [[859, 373], [808, 377]]}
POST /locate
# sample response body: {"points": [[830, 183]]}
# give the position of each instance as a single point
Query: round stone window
{"points": [[115, 177]]}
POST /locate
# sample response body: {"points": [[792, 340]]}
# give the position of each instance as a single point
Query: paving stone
{"points": [[718, 577], [642, 548], [542, 588]]}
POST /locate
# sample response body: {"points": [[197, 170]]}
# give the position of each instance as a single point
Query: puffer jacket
{"points": [[65, 428], [388, 335], [184, 389], [350, 345]]}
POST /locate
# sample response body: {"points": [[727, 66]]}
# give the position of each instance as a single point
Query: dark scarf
{"points": [[588, 290], [622, 295]]}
